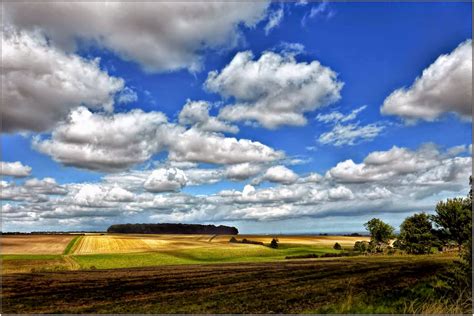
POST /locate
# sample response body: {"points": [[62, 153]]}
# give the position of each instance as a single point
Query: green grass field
{"points": [[70, 246], [224, 254]]}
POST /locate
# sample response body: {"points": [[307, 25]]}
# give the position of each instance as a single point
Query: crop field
{"points": [[34, 244], [377, 284], [108, 251]]}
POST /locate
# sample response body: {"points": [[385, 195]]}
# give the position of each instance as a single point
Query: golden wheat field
{"points": [[34, 244], [102, 244], [141, 243]]}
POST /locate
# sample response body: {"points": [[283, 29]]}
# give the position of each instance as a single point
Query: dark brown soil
{"points": [[280, 287]]}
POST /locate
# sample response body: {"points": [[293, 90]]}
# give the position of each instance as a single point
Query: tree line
{"points": [[449, 227], [166, 228]]}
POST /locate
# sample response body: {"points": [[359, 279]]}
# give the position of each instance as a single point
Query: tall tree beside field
{"points": [[416, 235], [453, 220], [380, 233]]}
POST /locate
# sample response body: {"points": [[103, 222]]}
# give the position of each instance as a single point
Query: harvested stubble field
{"points": [[34, 244], [278, 287]]}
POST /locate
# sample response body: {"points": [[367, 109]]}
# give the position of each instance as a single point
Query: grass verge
{"points": [[70, 246]]}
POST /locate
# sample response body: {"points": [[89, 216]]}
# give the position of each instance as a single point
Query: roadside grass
{"points": [[201, 255], [70, 247], [419, 299]]}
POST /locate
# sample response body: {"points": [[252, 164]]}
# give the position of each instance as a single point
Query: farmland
{"points": [[114, 273], [35, 244], [336, 285], [108, 251]]}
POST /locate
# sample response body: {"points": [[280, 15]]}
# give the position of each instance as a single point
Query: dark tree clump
{"points": [[274, 243], [337, 246], [172, 229]]}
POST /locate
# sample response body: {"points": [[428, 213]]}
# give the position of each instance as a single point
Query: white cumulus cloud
{"points": [[160, 36], [444, 87], [41, 83], [14, 169], [165, 180], [274, 90]]}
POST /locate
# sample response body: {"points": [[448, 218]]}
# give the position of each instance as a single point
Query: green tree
{"points": [[337, 246], [453, 220], [416, 234], [380, 232]]}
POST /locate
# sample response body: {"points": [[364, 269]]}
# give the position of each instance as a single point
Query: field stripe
{"points": [[71, 262], [70, 246]]}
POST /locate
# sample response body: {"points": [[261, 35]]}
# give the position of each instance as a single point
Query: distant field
{"points": [[34, 244], [102, 244], [373, 284], [108, 251]]}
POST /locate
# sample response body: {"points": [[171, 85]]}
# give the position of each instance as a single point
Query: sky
{"points": [[293, 117]]}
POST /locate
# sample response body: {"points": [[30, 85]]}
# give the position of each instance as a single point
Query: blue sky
{"points": [[404, 71]]}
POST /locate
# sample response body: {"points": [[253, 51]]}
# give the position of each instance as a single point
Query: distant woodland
{"points": [[172, 229]]}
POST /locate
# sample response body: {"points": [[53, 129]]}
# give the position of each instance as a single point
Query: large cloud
{"points": [[104, 142], [14, 169], [274, 90], [444, 87], [99, 141], [41, 84], [416, 172], [197, 146], [159, 36]]}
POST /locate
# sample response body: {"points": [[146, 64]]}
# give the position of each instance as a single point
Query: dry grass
{"points": [[34, 244]]}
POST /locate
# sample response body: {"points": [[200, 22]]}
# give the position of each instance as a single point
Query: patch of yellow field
{"points": [[121, 243], [34, 244], [140, 243]]}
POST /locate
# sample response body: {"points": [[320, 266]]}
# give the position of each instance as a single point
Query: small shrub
{"points": [[337, 246], [274, 243], [93, 268], [233, 240]]}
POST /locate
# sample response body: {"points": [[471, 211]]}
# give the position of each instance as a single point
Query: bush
{"points": [[246, 241], [360, 246], [311, 255], [337, 246], [274, 243]]}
